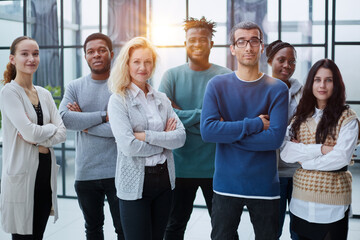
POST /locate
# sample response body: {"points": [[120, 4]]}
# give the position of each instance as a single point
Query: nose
{"points": [[247, 46], [322, 84], [286, 64]]}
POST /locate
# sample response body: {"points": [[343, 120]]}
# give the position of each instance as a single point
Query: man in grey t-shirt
{"points": [[84, 110]]}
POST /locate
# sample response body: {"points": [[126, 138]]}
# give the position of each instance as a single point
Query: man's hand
{"points": [[73, 107], [325, 149], [170, 125], [265, 119], [140, 136]]}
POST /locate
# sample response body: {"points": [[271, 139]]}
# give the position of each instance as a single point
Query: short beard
{"points": [[100, 71]]}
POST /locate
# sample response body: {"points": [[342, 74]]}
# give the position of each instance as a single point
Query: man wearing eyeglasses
{"points": [[245, 114]]}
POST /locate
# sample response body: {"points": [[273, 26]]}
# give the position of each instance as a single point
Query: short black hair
{"points": [[199, 23], [98, 36], [247, 25]]}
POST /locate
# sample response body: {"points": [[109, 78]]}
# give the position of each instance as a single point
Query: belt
{"points": [[157, 169], [344, 169]]}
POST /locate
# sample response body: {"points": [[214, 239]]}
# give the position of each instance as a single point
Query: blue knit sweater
{"points": [[245, 161]]}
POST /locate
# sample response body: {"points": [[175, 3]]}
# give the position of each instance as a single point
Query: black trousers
{"points": [[315, 231], [42, 200]]}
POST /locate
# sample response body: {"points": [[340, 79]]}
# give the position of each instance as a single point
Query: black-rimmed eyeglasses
{"points": [[254, 42]]}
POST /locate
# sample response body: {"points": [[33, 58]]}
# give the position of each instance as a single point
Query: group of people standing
{"points": [[147, 151]]}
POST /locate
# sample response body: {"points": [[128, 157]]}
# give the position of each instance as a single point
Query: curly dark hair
{"points": [[200, 23], [334, 107]]}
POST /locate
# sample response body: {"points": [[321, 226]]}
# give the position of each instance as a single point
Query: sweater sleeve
{"points": [[60, 135], [169, 140], [14, 109], [272, 138], [188, 117], [214, 130], [77, 121], [123, 132]]}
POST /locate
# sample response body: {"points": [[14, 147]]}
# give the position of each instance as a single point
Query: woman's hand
{"points": [[170, 125], [43, 149], [326, 149], [140, 136]]}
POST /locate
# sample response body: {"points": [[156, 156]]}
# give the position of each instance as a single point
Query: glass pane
{"points": [[43, 24], [166, 22], [49, 71], [70, 139], [345, 59], [347, 21], [69, 173], [270, 24], [355, 171], [301, 21], [90, 13], [4, 60], [168, 58], [11, 21], [73, 64], [104, 18], [213, 10], [218, 56]]}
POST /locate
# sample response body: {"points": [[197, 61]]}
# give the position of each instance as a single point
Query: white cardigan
{"points": [[20, 158]]}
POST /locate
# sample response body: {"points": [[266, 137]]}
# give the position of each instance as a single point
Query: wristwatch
{"points": [[103, 116]]}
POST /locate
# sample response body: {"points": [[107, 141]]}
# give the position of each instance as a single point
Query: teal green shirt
{"points": [[186, 89]]}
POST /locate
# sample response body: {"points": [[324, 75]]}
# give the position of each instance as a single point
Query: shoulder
{"points": [[160, 95], [275, 84], [348, 115], [222, 78], [77, 82], [10, 89], [220, 69], [43, 91]]}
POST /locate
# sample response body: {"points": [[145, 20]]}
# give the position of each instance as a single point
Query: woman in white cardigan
{"points": [[31, 126], [146, 129]]}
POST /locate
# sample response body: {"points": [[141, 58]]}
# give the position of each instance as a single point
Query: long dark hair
{"points": [[10, 71], [333, 109]]}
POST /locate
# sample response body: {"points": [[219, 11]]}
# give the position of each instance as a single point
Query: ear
{"points": [[211, 44], [232, 50], [185, 43], [262, 48], [12, 59], [112, 55]]}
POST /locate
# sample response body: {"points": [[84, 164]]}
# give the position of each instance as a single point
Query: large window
{"points": [[317, 28]]}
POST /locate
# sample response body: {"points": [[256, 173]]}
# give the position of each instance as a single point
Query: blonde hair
{"points": [[119, 78]]}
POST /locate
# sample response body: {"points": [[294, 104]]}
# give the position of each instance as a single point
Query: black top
{"points": [[39, 114]]}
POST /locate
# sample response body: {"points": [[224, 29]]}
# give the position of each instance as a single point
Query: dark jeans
{"points": [[286, 186], [183, 201], [146, 218], [315, 231], [91, 196], [226, 214], [42, 200]]}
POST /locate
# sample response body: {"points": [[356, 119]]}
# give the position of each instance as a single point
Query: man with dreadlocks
{"points": [[185, 86]]}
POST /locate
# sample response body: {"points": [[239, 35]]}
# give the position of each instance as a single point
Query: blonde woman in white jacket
{"points": [[31, 126]]}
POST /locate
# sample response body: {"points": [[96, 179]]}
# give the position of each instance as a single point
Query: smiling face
{"points": [[283, 64], [26, 58], [98, 56], [247, 56], [141, 64], [198, 45], [323, 86]]}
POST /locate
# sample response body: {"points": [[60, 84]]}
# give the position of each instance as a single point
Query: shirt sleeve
{"points": [[342, 153], [77, 121], [291, 152]]}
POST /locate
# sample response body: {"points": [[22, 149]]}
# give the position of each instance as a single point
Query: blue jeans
{"points": [[183, 201], [286, 186], [91, 196], [226, 214], [146, 218]]}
